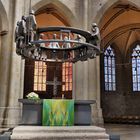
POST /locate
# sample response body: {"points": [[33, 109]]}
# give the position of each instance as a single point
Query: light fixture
{"points": [[55, 44]]}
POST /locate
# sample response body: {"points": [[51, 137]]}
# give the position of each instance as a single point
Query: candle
{"points": [[62, 96]]}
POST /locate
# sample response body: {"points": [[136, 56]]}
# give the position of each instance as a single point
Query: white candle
{"points": [[62, 96]]}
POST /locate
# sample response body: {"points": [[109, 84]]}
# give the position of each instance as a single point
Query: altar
{"points": [[75, 112]]}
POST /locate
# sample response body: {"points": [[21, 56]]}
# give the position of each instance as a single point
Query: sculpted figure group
{"points": [[25, 31], [26, 34]]}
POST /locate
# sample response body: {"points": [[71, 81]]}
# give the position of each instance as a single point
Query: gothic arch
{"points": [[110, 31], [61, 7], [108, 39], [109, 4], [128, 61], [130, 50]]}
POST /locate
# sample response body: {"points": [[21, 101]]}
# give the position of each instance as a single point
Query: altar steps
{"points": [[59, 133]]}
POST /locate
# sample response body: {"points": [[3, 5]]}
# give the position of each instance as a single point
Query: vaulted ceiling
{"points": [[120, 25], [50, 15]]}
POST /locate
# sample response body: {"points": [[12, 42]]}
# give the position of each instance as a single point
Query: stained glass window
{"points": [[67, 76], [136, 68], [40, 72], [109, 69]]}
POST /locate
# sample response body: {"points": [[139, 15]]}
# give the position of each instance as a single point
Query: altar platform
{"points": [[32, 112], [57, 133]]}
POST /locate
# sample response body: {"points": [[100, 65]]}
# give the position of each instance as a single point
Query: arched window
{"points": [[109, 70], [67, 76], [40, 73], [136, 68]]}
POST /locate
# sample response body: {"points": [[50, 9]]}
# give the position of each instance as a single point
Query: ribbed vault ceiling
{"points": [[120, 25]]}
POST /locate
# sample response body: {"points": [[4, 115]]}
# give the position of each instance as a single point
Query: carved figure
{"points": [[20, 32], [31, 26], [65, 44], [95, 34], [54, 44]]}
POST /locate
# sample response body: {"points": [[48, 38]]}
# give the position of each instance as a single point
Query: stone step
{"points": [[66, 136], [57, 129], [57, 133]]}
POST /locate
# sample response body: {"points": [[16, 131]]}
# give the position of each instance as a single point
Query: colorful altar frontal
{"points": [[58, 112]]}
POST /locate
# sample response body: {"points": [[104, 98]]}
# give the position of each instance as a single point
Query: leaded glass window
{"points": [[136, 68], [40, 72], [67, 76], [109, 69]]}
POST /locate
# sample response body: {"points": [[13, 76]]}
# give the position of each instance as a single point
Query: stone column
{"points": [[85, 80], [78, 92], [80, 81], [4, 78], [6, 13], [94, 90], [16, 72], [100, 116], [87, 76]]}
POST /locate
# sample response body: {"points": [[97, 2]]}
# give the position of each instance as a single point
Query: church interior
{"points": [[111, 79]]}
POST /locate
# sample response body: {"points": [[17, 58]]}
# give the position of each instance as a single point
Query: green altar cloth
{"points": [[58, 112]]}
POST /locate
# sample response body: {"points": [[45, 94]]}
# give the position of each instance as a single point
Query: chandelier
{"points": [[55, 44]]}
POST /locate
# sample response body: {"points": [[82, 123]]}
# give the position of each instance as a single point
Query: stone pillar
{"points": [[16, 72], [87, 76], [80, 81], [100, 116], [4, 61], [78, 73], [94, 90], [4, 78], [85, 80]]}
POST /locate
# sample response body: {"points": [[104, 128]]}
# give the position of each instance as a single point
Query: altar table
{"points": [[32, 112]]}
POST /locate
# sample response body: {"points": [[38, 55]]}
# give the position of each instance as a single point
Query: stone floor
{"points": [[126, 132]]}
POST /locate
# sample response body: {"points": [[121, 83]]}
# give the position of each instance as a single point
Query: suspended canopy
{"points": [[61, 44]]}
